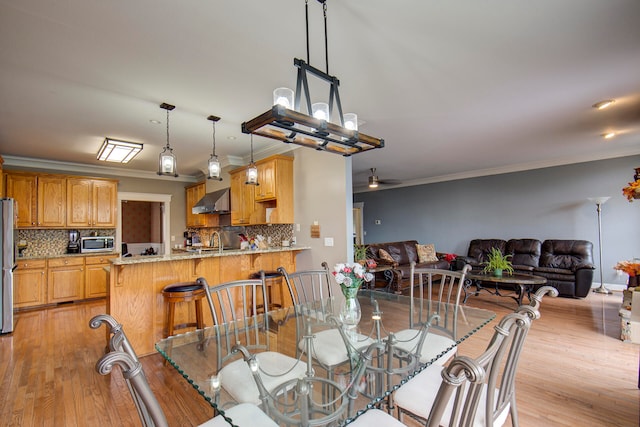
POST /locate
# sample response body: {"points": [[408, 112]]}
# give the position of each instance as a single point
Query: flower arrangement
{"points": [[350, 276], [632, 191], [632, 268]]}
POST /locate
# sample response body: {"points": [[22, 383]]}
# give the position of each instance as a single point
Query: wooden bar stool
{"points": [[183, 292], [271, 279]]}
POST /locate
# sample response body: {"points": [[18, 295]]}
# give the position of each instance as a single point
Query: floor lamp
{"points": [[599, 201]]}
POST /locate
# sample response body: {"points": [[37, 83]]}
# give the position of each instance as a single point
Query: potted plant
{"points": [[497, 263], [360, 253]]}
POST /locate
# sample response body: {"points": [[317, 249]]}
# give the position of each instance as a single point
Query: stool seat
{"points": [[183, 292], [270, 278]]}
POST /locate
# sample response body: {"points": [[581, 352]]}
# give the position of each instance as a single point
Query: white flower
{"points": [[340, 277]]}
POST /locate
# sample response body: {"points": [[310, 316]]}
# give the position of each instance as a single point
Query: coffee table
{"points": [[521, 283]]}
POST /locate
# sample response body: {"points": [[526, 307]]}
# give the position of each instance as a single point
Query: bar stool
{"points": [[271, 279], [183, 292]]}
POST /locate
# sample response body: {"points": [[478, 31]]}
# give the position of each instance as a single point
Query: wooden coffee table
{"points": [[521, 283]]}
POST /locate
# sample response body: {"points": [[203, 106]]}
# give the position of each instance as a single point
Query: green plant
{"points": [[497, 261], [360, 252]]}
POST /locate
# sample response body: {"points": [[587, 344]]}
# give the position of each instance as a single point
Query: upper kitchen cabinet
{"points": [[91, 203], [271, 202], [41, 199]]}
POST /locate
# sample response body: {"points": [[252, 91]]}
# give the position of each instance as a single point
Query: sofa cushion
{"points": [[384, 255], [426, 253], [479, 249], [566, 254], [525, 253]]}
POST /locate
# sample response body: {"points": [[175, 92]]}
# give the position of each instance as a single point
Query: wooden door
{"points": [[267, 180], [29, 287], [241, 199], [52, 201], [95, 278], [24, 189], [193, 194], [78, 202], [65, 279], [104, 202]]}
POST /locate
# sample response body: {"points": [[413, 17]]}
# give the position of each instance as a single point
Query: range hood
{"points": [[212, 203]]}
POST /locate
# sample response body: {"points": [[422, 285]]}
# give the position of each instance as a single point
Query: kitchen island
{"points": [[135, 285]]}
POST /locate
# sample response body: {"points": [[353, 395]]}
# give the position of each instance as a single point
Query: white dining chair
{"points": [[122, 354], [236, 311]]}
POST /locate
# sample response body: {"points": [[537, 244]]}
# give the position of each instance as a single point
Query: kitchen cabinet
{"points": [[95, 277], [242, 198], [29, 287], [194, 193], [41, 199], [269, 202], [65, 279], [91, 203]]}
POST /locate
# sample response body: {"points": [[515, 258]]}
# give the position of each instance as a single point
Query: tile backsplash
{"points": [[276, 232], [47, 242]]}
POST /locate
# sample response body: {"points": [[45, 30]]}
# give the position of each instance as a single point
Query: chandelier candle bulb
{"points": [[320, 110], [283, 96]]}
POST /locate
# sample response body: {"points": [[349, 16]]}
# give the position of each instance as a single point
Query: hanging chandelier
{"points": [[167, 163], [213, 166], [316, 129]]}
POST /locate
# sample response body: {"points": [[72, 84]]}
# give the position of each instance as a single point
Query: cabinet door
{"points": [[242, 199], [104, 203], [267, 179], [193, 195], [52, 201], [95, 278], [29, 287], [65, 280], [78, 202], [23, 188]]}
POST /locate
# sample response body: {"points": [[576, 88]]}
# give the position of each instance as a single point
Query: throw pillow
{"points": [[426, 253], [384, 255]]}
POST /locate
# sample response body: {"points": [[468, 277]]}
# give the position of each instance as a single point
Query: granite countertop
{"points": [[203, 254], [18, 259]]}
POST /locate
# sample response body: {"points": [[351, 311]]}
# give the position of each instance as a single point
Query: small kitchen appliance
{"points": [[73, 247]]}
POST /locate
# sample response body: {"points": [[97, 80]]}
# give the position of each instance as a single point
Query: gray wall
{"points": [[543, 204]]}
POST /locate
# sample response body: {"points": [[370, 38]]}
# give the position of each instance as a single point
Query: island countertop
{"points": [[201, 254]]}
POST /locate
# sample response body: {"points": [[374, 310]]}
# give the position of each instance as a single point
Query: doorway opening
{"points": [[153, 212]]}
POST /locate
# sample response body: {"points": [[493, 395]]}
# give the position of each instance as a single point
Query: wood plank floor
{"points": [[574, 370]]}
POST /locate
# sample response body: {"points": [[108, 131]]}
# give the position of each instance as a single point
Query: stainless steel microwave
{"points": [[96, 244]]}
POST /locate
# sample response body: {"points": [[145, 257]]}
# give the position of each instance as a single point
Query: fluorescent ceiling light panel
{"points": [[113, 150]]}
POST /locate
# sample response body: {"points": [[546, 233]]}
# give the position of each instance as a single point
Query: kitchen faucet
{"points": [[211, 243]]}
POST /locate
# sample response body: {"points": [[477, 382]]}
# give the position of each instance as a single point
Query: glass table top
{"points": [[211, 359]]}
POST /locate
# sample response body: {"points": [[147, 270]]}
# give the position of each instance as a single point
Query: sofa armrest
{"points": [[586, 265]]}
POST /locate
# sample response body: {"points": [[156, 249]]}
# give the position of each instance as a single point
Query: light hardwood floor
{"points": [[574, 370]]}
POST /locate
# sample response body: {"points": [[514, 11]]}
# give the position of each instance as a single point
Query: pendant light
{"points": [[252, 170], [214, 164], [167, 164]]}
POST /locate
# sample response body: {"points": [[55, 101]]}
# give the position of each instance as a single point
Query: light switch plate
{"points": [[328, 241]]}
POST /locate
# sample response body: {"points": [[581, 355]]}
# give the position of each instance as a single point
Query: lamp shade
{"points": [[252, 174], [320, 111], [213, 168], [283, 96], [351, 121], [167, 164]]}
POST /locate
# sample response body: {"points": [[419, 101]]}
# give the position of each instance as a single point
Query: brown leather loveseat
{"points": [[403, 253], [566, 264]]}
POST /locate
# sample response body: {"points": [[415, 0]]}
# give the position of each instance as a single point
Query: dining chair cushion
{"points": [[243, 414], [432, 346], [329, 348], [418, 395], [238, 381], [377, 418]]}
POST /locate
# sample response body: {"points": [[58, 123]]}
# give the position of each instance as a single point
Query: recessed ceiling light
{"points": [[603, 104], [608, 135], [155, 122]]}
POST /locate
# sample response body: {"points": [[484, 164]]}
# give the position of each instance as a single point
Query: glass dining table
{"points": [[319, 395]]}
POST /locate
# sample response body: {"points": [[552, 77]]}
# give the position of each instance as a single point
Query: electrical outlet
{"points": [[173, 238], [297, 227], [378, 221], [328, 241]]}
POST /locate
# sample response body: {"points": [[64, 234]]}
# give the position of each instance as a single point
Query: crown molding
{"points": [[81, 168]]}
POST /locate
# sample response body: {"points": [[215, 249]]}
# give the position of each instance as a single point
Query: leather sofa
{"points": [[566, 264], [403, 253]]}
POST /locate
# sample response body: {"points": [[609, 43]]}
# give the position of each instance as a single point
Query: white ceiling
{"points": [[456, 88]]}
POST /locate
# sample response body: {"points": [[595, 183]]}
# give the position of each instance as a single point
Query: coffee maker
{"points": [[73, 247]]}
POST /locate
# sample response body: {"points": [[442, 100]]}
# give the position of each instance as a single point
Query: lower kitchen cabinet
{"points": [[95, 277], [65, 279], [30, 279]]}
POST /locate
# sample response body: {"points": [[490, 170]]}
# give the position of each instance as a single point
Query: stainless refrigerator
{"points": [[7, 263]]}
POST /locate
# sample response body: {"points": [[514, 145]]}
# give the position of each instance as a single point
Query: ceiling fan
{"points": [[375, 181]]}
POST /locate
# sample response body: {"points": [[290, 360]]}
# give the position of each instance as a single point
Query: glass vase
{"points": [[350, 313]]}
